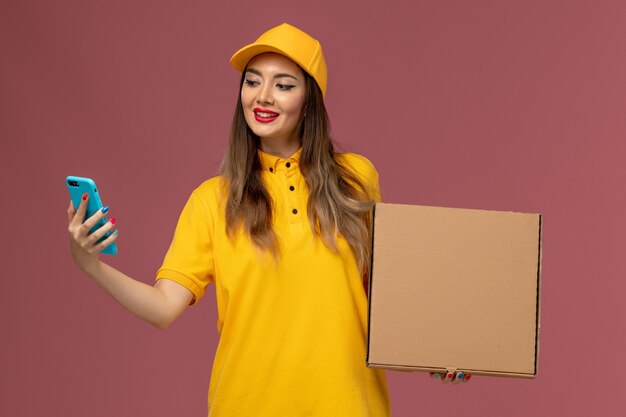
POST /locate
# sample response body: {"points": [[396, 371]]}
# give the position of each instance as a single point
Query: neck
{"points": [[284, 149]]}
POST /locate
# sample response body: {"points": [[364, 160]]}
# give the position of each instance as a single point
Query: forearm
{"points": [[144, 301]]}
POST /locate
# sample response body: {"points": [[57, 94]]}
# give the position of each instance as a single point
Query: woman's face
{"points": [[273, 95]]}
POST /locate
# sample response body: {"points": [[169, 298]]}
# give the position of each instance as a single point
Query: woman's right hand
{"points": [[450, 376], [85, 251]]}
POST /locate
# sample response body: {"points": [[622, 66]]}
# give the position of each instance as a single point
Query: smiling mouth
{"points": [[265, 115]]}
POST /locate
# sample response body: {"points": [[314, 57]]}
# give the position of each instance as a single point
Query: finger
{"points": [[79, 215], [434, 375], [447, 377], [466, 377], [106, 242], [101, 231], [91, 222], [458, 377]]}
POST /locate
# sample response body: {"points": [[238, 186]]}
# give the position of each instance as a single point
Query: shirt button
{"points": [[291, 187], [294, 211], [288, 164]]}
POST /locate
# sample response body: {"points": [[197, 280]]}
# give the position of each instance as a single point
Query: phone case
{"points": [[79, 185]]}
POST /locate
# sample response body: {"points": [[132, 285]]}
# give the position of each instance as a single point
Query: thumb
{"points": [[70, 212]]}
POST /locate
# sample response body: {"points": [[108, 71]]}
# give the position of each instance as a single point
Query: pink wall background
{"points": [[503, 105]]}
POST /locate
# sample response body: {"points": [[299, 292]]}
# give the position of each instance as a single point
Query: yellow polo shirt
{"points": [[292, 337]]}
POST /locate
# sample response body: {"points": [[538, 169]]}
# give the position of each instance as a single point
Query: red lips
{"points": [[267, 117]]}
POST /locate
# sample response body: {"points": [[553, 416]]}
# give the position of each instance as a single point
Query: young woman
{"points": [[283, 233]]}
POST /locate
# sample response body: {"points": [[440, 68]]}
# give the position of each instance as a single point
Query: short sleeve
{"points": [[373, 181], [189, 259], [366, 170]]}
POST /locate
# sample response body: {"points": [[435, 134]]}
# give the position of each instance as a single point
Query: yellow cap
{"points": [[290, 41]]}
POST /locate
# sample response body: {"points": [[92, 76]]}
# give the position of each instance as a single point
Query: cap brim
{"points": [[241, 58]]}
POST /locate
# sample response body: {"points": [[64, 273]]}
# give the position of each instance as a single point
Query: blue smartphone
{"points": [[79, 185]]}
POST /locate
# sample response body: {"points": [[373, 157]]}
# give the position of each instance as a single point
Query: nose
{"points": [[265, 94]]}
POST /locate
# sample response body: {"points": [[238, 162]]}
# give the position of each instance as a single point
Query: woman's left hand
{"points": [[450, 377]]}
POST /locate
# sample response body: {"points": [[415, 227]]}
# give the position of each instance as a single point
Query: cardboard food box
{"points": [[454, 289]]}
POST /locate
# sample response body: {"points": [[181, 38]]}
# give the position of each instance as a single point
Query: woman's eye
{"points": [[250, 82], [284, 87]]}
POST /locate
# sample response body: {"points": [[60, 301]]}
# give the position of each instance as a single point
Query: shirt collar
{"points": [[276, 162]]}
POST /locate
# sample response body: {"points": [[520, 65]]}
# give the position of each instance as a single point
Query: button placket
{"points": [[291, 176], [293, 201]]}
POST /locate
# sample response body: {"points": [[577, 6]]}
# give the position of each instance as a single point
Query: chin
{"points": [[262, 133]]}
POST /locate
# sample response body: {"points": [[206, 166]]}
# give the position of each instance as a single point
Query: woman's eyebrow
{"points": [[285, 75], [281, 75]]}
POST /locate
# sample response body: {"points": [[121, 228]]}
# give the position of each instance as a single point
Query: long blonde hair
{"points": [[338, 200]]}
